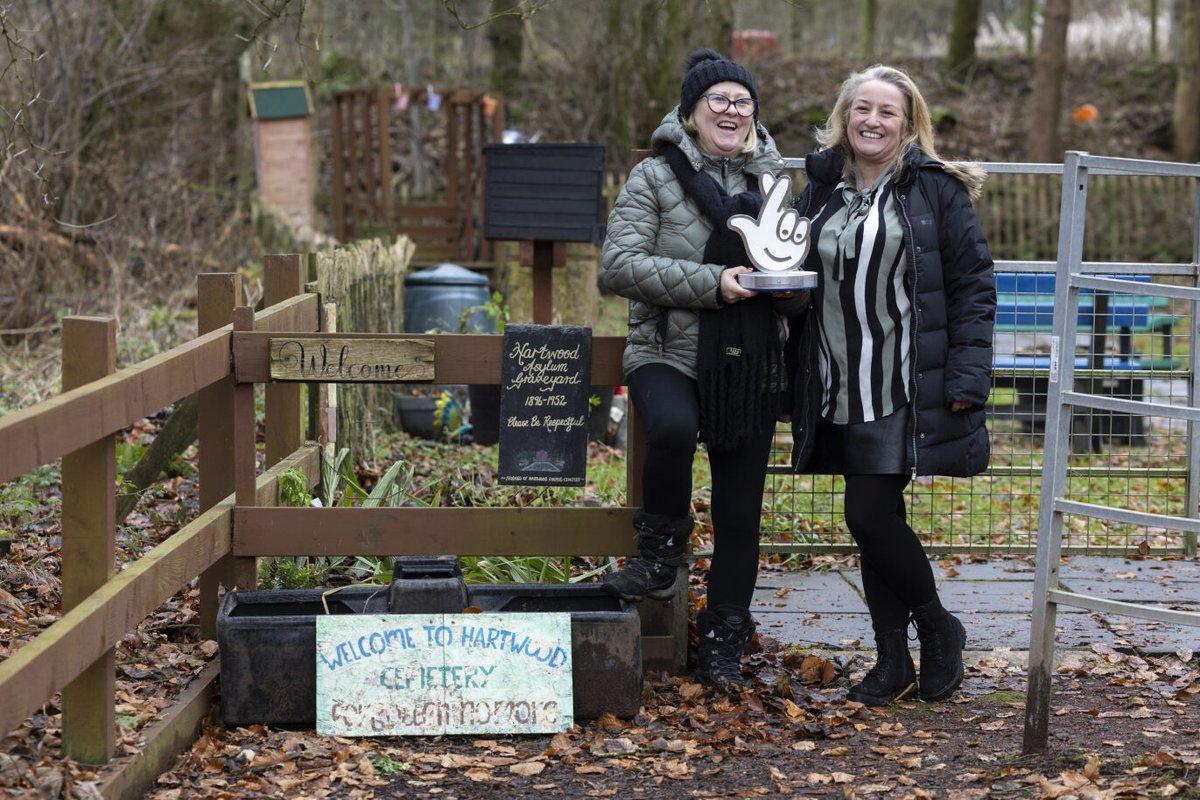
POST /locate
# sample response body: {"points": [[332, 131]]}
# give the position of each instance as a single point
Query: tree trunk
{"points": [[960, 56], [416, 153], [801, 16], [1186, 122], [175, 436], [667, 41], [505, 35], [1153, 30], [1027, 16], [867, 43], [719, 24], [1045, 106]]}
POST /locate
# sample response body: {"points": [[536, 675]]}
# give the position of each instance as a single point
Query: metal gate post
{"points": [[1056, 452], [1064, 397]]}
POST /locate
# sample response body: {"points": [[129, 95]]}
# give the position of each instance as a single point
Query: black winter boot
{"points": [[943, 638], [661, 544], [893, 676], [723, 634]]}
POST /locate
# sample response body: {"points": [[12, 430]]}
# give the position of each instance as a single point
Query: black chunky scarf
{"points": [[739, 366]]}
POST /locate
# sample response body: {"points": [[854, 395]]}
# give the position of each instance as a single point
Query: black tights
{"points": [[667, 402], [896, 574]]}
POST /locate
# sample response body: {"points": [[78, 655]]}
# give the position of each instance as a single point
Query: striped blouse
{"points": [[863, 303]]}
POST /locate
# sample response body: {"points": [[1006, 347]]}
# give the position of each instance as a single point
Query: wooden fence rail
{"points": [[238, 521], [75, 654]]}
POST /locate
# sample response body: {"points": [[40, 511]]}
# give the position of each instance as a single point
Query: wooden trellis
{"points": [[371, 194]]}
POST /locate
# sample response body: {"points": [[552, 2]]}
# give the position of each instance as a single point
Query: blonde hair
{"points": [[748, 146], [918, 127]]}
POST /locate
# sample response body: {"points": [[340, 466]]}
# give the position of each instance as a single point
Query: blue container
{"points": [[437, 298]]}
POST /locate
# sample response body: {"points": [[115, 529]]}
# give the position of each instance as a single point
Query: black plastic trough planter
{"points": [[268, 644], [606, 640]]}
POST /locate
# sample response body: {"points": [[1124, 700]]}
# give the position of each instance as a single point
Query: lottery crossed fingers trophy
{"points": [[776, 241]]}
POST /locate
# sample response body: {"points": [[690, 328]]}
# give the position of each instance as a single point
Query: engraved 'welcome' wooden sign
{"points": [[345, 360]]}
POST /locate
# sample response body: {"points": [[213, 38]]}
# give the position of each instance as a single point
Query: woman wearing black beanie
{"points": [[703, 359]]}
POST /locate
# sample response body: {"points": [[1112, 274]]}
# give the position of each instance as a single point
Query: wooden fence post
{"points": [[217, 295], [245, 427], [283, 278], [89, 504]]}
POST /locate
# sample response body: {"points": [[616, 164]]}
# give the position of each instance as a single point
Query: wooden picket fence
{"points": [[239, 518]]}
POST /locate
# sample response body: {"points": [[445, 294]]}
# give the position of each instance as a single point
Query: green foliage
{"points": [[339, 487], [538, 569], [495, 309], [816, 115], [339, 72], [44, 477], [387, 766], [293, 489], [18, 500], [128, 455], [289, 572]]}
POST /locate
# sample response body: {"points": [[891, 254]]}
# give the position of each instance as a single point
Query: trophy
{"points": [[776, 241]]}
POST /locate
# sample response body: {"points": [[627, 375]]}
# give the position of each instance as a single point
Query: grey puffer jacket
{"points": [[655, 242]]}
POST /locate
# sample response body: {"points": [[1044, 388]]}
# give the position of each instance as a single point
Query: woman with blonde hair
{"points": [[900, 366]]}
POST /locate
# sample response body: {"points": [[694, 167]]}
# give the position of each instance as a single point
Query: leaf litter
{"points": [[1123, 725]]}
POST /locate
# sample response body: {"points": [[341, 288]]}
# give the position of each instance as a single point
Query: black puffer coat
{"points": [[951, 281]]}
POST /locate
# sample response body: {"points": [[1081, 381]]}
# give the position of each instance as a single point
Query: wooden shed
{"points": [[282, 112]]}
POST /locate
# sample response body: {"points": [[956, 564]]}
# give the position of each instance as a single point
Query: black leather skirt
{"points": [[878, 447]]}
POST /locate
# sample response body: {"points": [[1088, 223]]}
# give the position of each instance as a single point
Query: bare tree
{"points": [[1028, 13], [505, 34], [1186, 119], [960, 55], [870, 15], [120, 157], [719, 21], [1153, 12], [1045, 106]]}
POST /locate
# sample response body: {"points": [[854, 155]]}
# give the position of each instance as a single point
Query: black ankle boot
{"points": [[661, 544], [943, 638], [893, 676], [723, 634]]}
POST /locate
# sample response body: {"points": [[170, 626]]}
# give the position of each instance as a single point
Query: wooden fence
{"points": [[1130, 217], [238, 520]]}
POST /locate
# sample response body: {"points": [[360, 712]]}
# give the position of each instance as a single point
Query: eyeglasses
{"points": [[719, 104]]}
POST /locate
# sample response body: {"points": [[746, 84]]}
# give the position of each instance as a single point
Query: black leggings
{"points": [[667, 402], [896, 574]]}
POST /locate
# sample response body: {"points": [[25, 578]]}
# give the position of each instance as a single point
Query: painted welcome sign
{"points": [[351, 359], [431, 674]]}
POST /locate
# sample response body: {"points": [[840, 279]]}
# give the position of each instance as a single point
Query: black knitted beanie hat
{"points": [[706, 67]]}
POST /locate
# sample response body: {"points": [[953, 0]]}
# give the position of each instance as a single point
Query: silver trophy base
{"points": [[778, 281]]}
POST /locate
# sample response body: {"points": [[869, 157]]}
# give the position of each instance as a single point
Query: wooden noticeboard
{"points": [[434, 674], [544, 388]]}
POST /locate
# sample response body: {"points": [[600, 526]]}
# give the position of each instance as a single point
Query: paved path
{"points": [[994, 600]]}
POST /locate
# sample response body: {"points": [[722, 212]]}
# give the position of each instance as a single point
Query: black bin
{"points": [[437, 298]]}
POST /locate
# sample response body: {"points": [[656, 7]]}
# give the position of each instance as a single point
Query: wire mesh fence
{"points": [[1129, 346]]}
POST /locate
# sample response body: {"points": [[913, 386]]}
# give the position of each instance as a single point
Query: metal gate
{"points": [[1130, 346], [1072, 394]]}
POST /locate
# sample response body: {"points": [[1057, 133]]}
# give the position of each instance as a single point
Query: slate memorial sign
{"points": [[435, 674], [545, 382]]}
